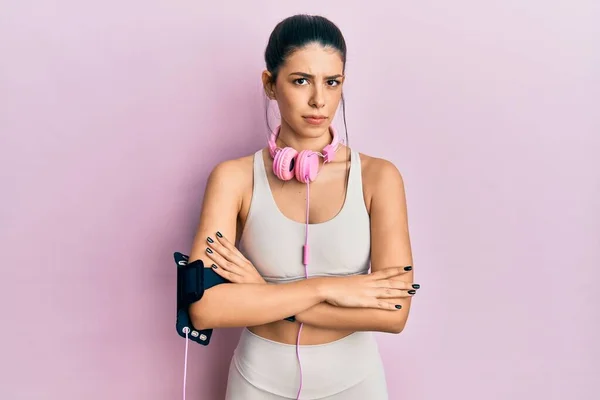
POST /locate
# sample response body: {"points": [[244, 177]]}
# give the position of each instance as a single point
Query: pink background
{"points": [[113, 113]]}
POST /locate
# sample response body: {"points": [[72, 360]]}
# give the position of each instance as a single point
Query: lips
{"points": [[314, 119]]}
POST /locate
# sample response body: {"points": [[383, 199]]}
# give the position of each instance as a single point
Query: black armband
{"points": [[192, 280]]}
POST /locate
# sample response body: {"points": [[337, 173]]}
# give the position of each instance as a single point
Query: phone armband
{"points": [[193, 279]]}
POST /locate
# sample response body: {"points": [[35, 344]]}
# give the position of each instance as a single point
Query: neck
{"points": [[287, 137]]}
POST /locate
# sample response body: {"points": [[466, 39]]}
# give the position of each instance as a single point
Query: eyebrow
{"points": [[305, 75]]}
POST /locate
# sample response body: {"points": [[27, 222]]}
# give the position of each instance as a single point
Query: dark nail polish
{"points": [[412, 291], [416, 286], [214, 266], [407, 268], [219, 234], [208, 250], [210, 240], [398, 306]]}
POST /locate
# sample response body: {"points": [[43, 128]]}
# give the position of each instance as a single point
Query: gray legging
{"points": [[346, 369]]}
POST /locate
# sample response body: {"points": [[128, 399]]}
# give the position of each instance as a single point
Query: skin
{"points": [[330, 308]]}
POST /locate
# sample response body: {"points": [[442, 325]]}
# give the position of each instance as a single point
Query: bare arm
{"points": [[390, 246], [233, 305], [250, 304]]}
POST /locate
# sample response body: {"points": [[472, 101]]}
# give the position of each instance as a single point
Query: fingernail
{"points": [[412, 291], [219, 234], [214, 266], [210, 240], [416, 286], [208, 250], [407, 268], [398, 306]]}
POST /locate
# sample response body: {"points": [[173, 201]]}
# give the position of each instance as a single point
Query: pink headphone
{"points": [[304, 166]]}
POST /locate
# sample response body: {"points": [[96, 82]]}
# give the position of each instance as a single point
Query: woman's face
{"points": [[309, 84]]}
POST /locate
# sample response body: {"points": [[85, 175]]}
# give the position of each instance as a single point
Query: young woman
{"points": [[309, 216]]}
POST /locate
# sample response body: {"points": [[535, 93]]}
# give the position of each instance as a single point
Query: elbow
{"points": [[398, 321], [396, 326], [387, 323], [199, 317], [198, 323]]}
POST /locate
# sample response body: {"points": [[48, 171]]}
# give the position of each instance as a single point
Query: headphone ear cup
{"points": [[307, 166], [284, 163]]}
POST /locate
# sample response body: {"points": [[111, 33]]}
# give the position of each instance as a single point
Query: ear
{"points": [[268, 84]]}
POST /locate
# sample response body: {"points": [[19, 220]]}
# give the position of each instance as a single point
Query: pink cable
{"points": [[299, 363], [305, 255], [305, 252], [185, 362]]}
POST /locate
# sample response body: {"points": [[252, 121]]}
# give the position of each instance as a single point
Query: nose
{"points": [[317, 99]]}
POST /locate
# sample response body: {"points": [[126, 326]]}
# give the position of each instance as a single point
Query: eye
{"points": [[299, 79], [333, 82]]}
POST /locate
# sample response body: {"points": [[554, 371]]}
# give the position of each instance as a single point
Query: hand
{"points": [[230, 263], [368, 291]]}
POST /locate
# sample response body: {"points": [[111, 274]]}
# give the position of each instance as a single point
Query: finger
{"points": [[231, 277], [383, 305], [396, 284], [222, 262], [230, 246], [231, 253], [391, 272], [387, 293]]}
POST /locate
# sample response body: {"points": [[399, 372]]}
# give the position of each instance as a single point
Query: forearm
{"points": [[325, 315], [244, 304]]}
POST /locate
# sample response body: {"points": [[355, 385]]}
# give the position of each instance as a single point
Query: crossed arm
{"points": [[390, 246]]}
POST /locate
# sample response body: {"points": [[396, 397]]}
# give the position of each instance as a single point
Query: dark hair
{"points": [[297, 31]]}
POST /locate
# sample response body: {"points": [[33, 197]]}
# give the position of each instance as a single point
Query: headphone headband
{"points": [[327, 153]]}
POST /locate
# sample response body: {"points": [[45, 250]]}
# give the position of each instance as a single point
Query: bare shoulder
{"points": [[380, 176], [233, 168], [233, 174], [377, 169]]}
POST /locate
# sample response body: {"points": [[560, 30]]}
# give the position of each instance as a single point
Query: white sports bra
{"points": [[274, 243]]}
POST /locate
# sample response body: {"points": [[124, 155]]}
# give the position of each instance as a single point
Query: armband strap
{"points": [[192, 280]]}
